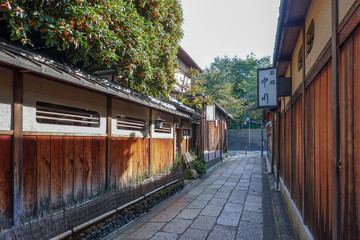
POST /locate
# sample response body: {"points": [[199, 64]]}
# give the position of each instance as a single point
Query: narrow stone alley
{"points": [[227, 203]]}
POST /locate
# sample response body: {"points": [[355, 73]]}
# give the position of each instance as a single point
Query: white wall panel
{"points": [[6, 98]]}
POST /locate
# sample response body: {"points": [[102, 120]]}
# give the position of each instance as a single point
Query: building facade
{"points": [[315, 134], [73, 144]]}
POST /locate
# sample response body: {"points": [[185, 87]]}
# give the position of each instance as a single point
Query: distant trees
{"points": [[136, 38], [232, 83]]}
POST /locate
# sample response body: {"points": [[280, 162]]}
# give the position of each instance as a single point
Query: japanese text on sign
{"points": [[267, 88]]}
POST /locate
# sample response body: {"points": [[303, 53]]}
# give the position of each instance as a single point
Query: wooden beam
{"points": [[349, 23], [284, 59], [294, 24], [17, 147], [291, 137], [336, 221], [108, 142]]}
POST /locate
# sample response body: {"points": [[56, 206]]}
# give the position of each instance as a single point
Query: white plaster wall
{"points": [[41, 89], [287, 74], [320, 11], [6, 98], [129, 110], [169, 119], [182, 79], [344, 7], [296, 75]]}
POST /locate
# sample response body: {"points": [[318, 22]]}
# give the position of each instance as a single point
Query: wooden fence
{"points": [[311, 183]]}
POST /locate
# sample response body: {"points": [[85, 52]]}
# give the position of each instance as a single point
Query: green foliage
{"points": [[191, 95], [187, 174], [178, 163], [232, 83], [137, 38], [200, 165]]}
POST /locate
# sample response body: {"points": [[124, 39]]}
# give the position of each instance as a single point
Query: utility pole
{"points": [[248, 119]]}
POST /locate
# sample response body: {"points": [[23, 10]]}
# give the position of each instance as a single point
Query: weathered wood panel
{"points": [[59, 171], [329, 153], [88, 169], [79, 168], [140, 157], [56, 171], [317, 127], [95, 188], [6, 197], [287, 145], [185, 145], [115, 165], [297, 159], [349, 138], [162, 154], [29, 175], [310, 140], [357, 132], [346, 151], [43, 172], [275, 132], [282, 145], [68, 169], [102, 164], [318, 185], [124, 155]]}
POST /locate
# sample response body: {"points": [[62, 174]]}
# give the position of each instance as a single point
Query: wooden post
{"points": [[278, 147], [303, 130], [17, 147], [208, 138], [336, 226], [108, 142], [174, 135], [221, 138], [291, 135], [272, 142], [262, 135], [150, 141], [202, 129]]}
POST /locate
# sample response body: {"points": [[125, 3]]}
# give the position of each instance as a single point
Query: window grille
{"points": [[129, 123], [166, 128], [186, 133], [310, 37], [300, 58], [49, 113]]}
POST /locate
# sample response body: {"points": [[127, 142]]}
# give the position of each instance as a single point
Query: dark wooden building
{"points": [[316, 129], [71, 142]]}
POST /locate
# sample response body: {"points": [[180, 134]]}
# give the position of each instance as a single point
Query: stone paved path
{"points": [[226, 204]]}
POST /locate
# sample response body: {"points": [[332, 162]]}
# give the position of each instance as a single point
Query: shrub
{"points": [[199, 165]]}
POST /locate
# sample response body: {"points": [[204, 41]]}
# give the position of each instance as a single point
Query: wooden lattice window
{"points": [[166, 128], [310, 37], [186, 133], [65, 115], [129, 123]]}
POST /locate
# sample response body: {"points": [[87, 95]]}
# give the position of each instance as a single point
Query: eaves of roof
{"points": [[290, 22], [24, 60], [187, 60]]}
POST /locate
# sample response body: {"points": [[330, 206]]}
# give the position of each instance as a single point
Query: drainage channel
{"points": [[115, 219]]}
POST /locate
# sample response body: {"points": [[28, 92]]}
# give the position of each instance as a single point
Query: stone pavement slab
{"points": [[227, 203]]}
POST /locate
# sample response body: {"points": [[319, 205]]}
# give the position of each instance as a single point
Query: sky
{"points": [[228, 27]]}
